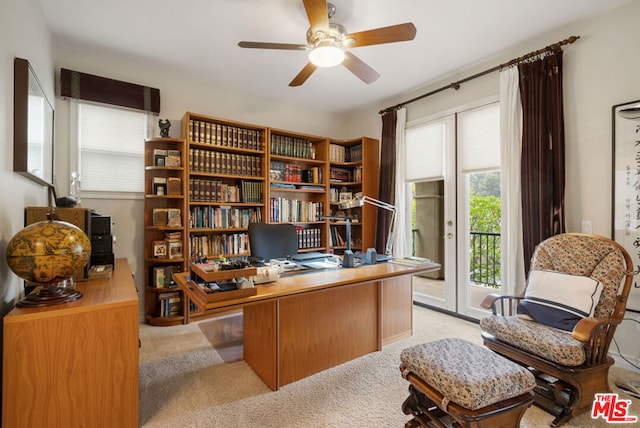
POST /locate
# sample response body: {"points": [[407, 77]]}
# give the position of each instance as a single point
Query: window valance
{"points": [[74, 84]]}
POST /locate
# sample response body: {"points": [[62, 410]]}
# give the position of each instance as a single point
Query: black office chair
{"points": [[273, 241]]}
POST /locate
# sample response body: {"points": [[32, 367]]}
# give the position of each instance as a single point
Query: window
{"points": [[109, 147]]}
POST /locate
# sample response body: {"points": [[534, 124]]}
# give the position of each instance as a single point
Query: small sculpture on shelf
{"points": [[164, 127]]}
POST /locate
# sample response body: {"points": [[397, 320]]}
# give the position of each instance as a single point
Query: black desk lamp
{"points": [[348, 258]]}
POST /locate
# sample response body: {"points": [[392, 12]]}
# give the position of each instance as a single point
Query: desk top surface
{"points": [[117, 290], [292, 284]]}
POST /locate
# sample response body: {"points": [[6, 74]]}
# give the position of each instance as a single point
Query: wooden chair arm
{"points": [[584, 330], [507, 304], [489, 300]]}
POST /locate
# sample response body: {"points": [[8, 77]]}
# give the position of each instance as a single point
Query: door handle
{"points": [[449, 235]]}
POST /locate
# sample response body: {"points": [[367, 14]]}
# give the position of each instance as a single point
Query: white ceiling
{"points": [[200, 37]]}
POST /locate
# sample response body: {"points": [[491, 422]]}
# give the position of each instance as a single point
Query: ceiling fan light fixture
{"points": [[326, 55]]}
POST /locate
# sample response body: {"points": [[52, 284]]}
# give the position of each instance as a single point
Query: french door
{"points": [[453, 204]]}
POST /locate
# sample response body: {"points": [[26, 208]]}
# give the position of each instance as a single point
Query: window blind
{"points": [[425, 145], [111, 144], [479, 138]]}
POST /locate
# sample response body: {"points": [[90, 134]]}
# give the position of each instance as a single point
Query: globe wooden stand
{"points": [[50, 294]]}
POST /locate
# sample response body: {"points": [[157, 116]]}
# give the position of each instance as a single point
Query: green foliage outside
{"points": [[484, 216]]}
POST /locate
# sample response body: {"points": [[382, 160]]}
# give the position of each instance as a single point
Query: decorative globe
{"points": [[48, 251]]}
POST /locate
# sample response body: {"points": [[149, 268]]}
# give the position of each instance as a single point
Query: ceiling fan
{"points": [[328, 42]]}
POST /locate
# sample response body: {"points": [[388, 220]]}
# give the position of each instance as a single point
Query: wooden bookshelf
{"points": [[165, 217], [298, 183], [235, 173], [353, 168]]}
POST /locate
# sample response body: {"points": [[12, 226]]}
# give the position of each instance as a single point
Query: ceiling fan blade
{"points": [[394, 33], [303, 75], [266, 45], [359, 68], [317, 14]]}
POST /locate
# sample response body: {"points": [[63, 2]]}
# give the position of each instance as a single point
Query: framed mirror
{"points": [[626, 186], [32, 126]]}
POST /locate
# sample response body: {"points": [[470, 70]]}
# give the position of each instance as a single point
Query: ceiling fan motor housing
{"points": [[335, 36]]}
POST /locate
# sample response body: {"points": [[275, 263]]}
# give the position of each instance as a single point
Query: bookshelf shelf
{"points": [[217, 229], [163, 168]]}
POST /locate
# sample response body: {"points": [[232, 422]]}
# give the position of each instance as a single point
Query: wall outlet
{"points": [[586, 226]]}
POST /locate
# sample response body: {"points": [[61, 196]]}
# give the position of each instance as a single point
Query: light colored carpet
{"points": [[184, 382]]}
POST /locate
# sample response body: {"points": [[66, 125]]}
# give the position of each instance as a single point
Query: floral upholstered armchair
{"points": [[563, 324]]}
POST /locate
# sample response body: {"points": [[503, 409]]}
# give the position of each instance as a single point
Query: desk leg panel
{"points": [[259, 341], [325, 328], [397, 308]]}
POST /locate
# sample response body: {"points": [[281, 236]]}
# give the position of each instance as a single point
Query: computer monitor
{"points": [[273, 241]]}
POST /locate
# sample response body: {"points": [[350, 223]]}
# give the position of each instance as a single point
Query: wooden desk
{"points": [[303, 324], [74, 364]]}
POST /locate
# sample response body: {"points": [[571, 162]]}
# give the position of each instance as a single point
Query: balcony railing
{"points": [[485, 259]]}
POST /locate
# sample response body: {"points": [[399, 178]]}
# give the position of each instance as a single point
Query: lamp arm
{"points": [[387, 206], [392, 225], [379, 203]]}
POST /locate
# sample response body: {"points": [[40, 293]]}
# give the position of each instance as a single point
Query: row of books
{"points": [[171, 217], [335, 237], [309, 238], [162, 157], [236, 244], [204, 190], [215, 162], [294, 173], [340, 175], [223, 217], [219, 134], [338, 153], [171, 186], [296, 147], [169, 304], [251, 192], [283, 210]]}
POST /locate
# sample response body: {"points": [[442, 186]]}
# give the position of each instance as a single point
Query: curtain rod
{"points": [[456, 85]]}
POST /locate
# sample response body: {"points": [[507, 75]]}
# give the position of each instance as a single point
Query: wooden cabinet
{"points": [[353, 168], [165, 219], [74, 364]]}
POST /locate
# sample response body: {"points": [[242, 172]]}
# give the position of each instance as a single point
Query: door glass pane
{"points": [[427, 233], [484, 235]]}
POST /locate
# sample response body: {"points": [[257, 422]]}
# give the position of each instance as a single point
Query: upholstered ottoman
{"points": [[455, 381]]}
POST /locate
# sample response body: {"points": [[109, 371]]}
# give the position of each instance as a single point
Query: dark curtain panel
{"points": [[386, 189], [74, 84], [542, 151]]}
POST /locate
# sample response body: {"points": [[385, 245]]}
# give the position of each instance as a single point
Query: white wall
{"points": [[24, 34], [601, 69]]}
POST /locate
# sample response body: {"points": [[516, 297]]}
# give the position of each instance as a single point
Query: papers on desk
{"points": [[320, 264], [412, 261]]}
